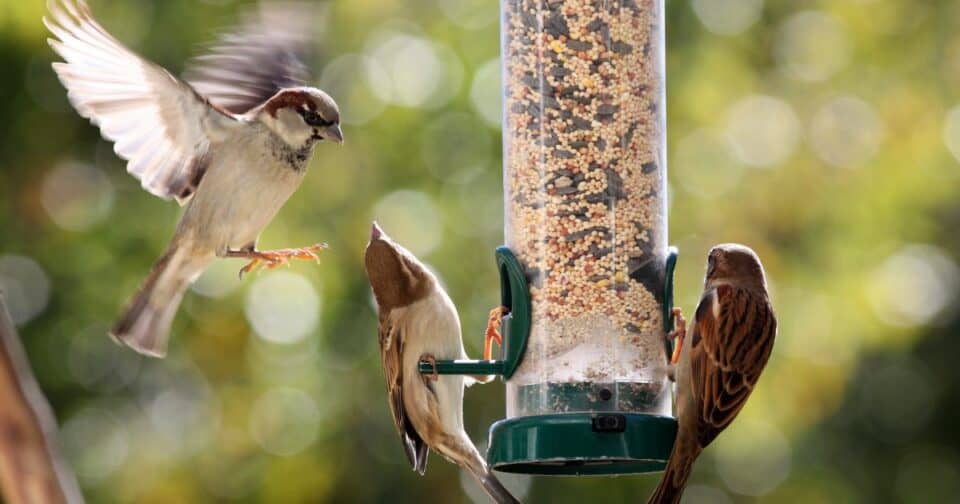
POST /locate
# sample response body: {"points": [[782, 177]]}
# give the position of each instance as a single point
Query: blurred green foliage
{"points": [[820, 133]]}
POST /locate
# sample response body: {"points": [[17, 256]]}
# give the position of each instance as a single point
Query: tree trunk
{"points": [[32, 469]]}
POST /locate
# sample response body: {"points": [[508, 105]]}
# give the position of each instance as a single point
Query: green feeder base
{"points": [[573, 444]]}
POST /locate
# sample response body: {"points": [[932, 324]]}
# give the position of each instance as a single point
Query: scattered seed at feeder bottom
{"points": [[624, 397]]}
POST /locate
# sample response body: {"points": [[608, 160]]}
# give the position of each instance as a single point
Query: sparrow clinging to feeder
{"points": [[231, 142], [418, 322], [721, 361]]}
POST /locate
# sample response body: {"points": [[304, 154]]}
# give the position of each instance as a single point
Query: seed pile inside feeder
{"points": [[586, 201]]}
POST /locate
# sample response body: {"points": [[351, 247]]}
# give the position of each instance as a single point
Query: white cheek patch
{"points": [[292, 128]]}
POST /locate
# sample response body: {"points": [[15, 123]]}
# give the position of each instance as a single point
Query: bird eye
{"points": [[314, 119]]}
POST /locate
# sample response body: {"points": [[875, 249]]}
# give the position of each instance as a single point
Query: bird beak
{"points": [[375, 231], [334, 133]]}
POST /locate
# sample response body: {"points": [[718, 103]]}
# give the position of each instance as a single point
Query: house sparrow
{"points": [[419, 322], [231, 142], [733, 334]]}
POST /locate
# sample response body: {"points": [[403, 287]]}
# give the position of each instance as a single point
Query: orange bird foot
{"points": [[493, 331], [679, 333], [433, 362], [272, 258]]}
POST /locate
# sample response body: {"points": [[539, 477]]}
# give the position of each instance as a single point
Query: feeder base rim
{"points": [[569, 444]]}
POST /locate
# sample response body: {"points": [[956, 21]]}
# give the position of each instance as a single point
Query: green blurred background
{"points": [[822, 133]]}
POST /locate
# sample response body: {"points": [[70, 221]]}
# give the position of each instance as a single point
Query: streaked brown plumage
{"points": [[733, 334], [418, 321]]}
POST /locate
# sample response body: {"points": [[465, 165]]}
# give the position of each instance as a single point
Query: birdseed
{"points": [[586, 215]]}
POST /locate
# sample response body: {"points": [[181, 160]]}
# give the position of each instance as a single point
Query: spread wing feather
{"points": [[252, 62], [157, 122]]}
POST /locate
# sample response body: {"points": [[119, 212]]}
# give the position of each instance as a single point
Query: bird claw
{"points": [[433, 362], [493, 331], [679, 333], [271, 259]]}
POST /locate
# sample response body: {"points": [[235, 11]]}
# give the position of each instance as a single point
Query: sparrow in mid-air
{"points": [[718, 367], [231, 142], [419, 322]]}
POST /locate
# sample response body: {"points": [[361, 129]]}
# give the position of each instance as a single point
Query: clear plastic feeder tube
{"points": [[585, 186]]}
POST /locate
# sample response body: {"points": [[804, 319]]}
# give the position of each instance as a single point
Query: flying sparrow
{"points": [[733, 334], [419, 322], [231, 142]]}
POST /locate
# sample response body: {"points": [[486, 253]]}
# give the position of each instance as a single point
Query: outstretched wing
{"points": [[391, 354], [252, 62], [732, 340], [157, 122]]}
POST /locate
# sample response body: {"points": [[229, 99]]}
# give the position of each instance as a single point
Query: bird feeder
{"points": [[586, 273]]}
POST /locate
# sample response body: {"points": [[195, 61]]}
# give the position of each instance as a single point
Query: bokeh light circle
{"points": [[24, 286], [704, 494], [913, 285], [845, 132], [438, 74], [283, 307], [728, 17], [898, 401], [411, 218], [455, 142], [98, 363], [928, 474], [182, 409], [353, 80], [77, 196], [485, 92], [951, 132], [284, 421], [470, 14], [705, 165], [753, 458], [95, 443], [218, 280], [763, 131], [812, 46]]}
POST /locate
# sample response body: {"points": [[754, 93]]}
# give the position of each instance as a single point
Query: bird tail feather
{"points": [[144, 325], [496, 490], [684, 453], [477, 467]]}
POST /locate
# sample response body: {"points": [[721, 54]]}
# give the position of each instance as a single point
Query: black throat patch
{"points": [[295, 158]]}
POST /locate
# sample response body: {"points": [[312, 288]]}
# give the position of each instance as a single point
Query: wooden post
{"points": [[32, 469]]}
